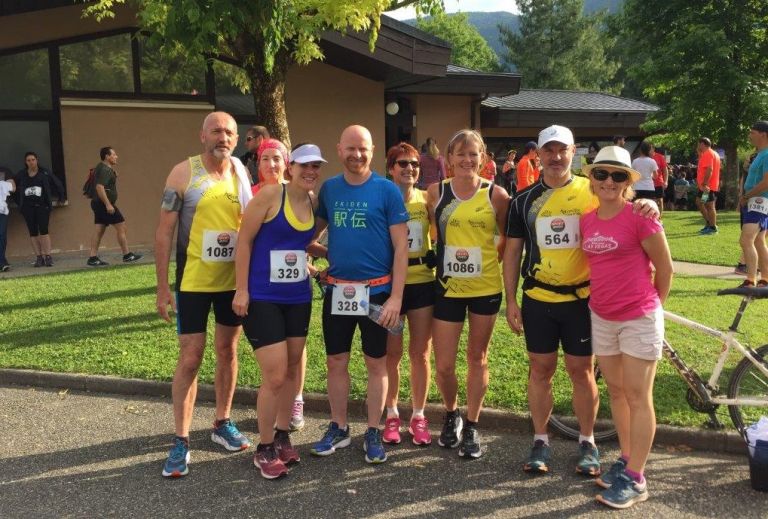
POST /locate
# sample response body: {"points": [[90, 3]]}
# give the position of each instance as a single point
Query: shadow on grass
{"points": [[86, 329], [79, 298]]}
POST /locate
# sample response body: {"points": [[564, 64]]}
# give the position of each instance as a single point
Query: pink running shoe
{"points": [[391, 430], [419, 429], [285, 451], [269, 463]]}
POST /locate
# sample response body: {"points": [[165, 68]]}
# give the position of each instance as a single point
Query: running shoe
{"points": [[177, 464], [5, 268], [746, 284], [297, 415], [540, 455], [39, 262], [374, 449], [589, 460], [392, 430], [419, 429], [47, 261], [763, 283], [229, 437], [269, 463], [469, 446], [452, 426], [607, 478], [624, 492], [285, 450], [95, 261], [334, 438], [131, 257], [741, 268]]}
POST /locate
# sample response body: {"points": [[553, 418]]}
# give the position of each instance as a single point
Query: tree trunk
{"points": [[730, 175], [268, 92]]}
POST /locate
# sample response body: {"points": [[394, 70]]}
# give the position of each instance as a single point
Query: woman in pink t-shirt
{"points": [[627, 317]]}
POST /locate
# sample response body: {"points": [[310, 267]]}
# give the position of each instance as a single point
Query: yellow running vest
{"points": [[418, 237]]}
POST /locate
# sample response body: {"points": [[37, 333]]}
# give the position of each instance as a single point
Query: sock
{"points": [[417, 413], [455, 412], [299, 397], [265, 446], [542, 437], [590, 439], [392, 412], [219, 423], [470, 423], [185, 439], [636, 476]]}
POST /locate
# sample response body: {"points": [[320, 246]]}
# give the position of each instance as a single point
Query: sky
{"points": [[452, 6]]}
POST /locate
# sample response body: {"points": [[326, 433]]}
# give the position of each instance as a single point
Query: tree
{"points": [[704, 63], [560, 47], [263, 37], [468, 48]]}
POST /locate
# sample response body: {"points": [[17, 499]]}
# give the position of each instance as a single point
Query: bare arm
{"points": [[390, 313], [705, 182], [513, 253], [655, 246], [500, 201], [101, 193]]}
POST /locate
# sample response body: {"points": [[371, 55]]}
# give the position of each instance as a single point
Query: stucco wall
{"points": [[440, 117]]}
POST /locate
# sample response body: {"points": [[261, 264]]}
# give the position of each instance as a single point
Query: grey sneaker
{"points": [[94, 261], [131, 257], [540, 455], [589, 460], [624, 492], [608, 478]]}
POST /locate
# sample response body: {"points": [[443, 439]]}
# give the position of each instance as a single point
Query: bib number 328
{"points": [[347, 299], [219, 246]]}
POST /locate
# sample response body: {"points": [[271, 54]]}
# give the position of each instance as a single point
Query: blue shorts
{"points": [[754, 217]]}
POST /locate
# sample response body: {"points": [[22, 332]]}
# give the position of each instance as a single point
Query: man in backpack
{"points": [[103, 198]]}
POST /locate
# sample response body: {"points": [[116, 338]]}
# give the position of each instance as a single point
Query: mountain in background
{"points": [[487, 23]]}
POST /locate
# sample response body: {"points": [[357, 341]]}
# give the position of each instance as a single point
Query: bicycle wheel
{"points": [[748, 381], [568, 426]]}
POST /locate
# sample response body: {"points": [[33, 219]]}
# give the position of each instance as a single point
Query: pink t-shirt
{"points": [[621, 287]]}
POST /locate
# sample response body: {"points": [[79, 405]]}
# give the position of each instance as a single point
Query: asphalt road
{"points": [[72, 454]]}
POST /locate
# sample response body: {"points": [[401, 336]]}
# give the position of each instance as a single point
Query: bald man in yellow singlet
{"points": [[204, 196]]}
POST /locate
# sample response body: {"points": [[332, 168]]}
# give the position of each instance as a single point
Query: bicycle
{"points": [[747, 392]]}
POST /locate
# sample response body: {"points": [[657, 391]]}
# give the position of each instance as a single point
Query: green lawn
{"points": [[103, 322], [682, 229]]}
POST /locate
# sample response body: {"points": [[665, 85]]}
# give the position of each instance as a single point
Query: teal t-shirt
{"points": [[757, 170]]}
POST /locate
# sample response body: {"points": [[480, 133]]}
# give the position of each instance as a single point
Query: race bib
{"points": [[287, 266], [219, 246], [347, 299], [33, 191], [558, 232], [463, 262], [415, 236], [758, 204]]}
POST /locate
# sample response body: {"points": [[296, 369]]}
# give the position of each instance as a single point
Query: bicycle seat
{"points": [[753, 292]]}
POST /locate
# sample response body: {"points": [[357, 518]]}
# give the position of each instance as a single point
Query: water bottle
{"points": [[704, 198], [374, 313]]}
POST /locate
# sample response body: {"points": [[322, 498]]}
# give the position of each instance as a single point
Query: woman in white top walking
{"points": [[648, 169]]}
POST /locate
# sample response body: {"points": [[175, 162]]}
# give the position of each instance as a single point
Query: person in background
{"points": [[488, 172], [591, 152], [432, 165], [648, 169], [753, 202], [528, 167], [253, 138], [708, 182], [34, 184], [7, 186], [661, 179], [630, 276], [508, 172], [619, 140], [272, 161]]}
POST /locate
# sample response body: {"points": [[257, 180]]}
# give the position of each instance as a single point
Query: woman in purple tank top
{"points": [[274, 296]]}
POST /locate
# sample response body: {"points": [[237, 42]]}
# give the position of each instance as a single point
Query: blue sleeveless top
{"points": [[273, 283]]}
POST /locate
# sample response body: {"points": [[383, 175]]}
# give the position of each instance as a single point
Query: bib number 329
{"points": [[219, 246], [287, 266], [347, 299]]}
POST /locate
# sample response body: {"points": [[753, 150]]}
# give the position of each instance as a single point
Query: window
{"points": [[229, 96], [101, 65], [20, 137], [26, 83], [171, 70]]}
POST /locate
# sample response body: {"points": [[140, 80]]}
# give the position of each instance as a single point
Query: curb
{"points": [[699, 439]]}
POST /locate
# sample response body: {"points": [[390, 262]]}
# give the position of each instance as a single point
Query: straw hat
{"points": [[615, 157]]}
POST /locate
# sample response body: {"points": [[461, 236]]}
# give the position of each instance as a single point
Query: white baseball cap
{"points": [[555, 133], [307, 153]]}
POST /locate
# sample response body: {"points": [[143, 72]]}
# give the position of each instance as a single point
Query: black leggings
{"points": [[36, 217]]}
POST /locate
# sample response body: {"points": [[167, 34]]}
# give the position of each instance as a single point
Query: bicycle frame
{"points": [[712, 389]]}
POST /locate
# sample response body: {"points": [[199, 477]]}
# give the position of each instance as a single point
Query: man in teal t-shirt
{"points": [[754, 209]]}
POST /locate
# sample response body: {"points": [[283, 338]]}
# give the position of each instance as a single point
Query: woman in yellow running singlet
{"points": [[469, 212], [418, 300]]}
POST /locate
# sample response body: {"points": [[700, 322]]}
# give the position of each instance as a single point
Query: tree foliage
{"points": [[263, 37], [705, 64], [469, 48], [558, 46]]}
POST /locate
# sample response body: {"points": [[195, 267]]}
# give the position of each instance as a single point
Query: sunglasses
{"points": [[617, 176], [249, 138], [312, 165], [404, 163]]}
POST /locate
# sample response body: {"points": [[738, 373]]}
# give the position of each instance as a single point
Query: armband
{"points": [[171, 200]]}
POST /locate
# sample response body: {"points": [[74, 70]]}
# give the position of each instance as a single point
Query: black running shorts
{"points": [[454, 309], [270, 323], [546, 325], [192, 309], [418, 295], [338, 330]]}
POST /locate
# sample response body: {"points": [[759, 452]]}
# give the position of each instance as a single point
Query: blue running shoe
{"points": [[607, 479], [334, 438], [589, 460], [624, 492], [374, 449], [177, 464], [540, 455], [229, 437]]}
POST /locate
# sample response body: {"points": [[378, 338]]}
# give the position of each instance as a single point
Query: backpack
{"points": [[89, 183]]}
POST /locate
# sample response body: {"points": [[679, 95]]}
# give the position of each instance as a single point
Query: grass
{"points": [[103, 322], [682, 229]]}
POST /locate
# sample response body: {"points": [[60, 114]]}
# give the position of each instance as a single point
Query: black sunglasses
{"points": [[404, 163], [617, 176]]}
